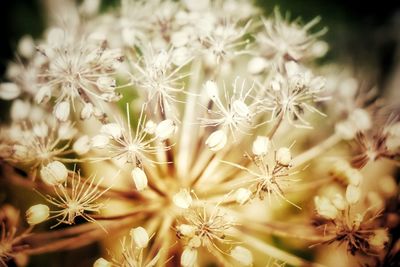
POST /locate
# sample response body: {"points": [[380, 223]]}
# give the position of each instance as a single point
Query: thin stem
{"points": [[273, 251], [316, 150]]}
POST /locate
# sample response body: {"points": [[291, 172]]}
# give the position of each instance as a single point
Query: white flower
{"points": [[61, 111], [165, 129], [26, 46], [140, 237], [106, 84], [182, 199], [242, 255], [87, 111], [41, 130], [257, 65], [100, 141], [242, 195], [81, 145], [283, 156], [186, 230], [66, 131], [231, 113], [37, 214], [189, 257], [54, 173], [20, 110], [217, 140], [139, 178], [9, 91], [261, 146], [325, 208], [353, 194], [112, 130], [339, 202], [100, 262]]}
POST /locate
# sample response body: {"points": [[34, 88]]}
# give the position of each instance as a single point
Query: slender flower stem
{"points": [[316, 150], [274, 252]]}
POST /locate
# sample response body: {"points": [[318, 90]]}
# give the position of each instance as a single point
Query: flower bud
{"points": [[82, 145], [242, 255], [100, 141], [61, 110], [139, 178], [211, 90], [9, 91], [40, 130], [257, 65], [283, 156], [100, 262], [186, 230], [217, 140], [140, 237], [54, 173], [242, 195], [165, 129], [150, 127], [182, 199], [43, 95], [353, 176], [112, 130], [361, 119], [339, 202], [188, 257], [194, 242], [241, 108], [37, 214], [106, 84], [325, 208], [345, 130], [87, 111], [20, 110], [261, 146], [66, 131], [353, 194]]}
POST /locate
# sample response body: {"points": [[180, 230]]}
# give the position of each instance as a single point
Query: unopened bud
{"points": [[242, 195], [106, 84], [283, 156], [261, 146], [112, 130], [325, 208], [242, 255], [241, 108], [37, 214], [140, 237], [9, 91], [54, 173], [139, 178], [188, 257], [100, 141], [100, 262], [82, 145], [165, 129], [61, 110], [87, 111], [217, 140], [353, 194], [182, 199]]}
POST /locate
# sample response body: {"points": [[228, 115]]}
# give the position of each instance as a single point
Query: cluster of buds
{"points": [[195, 120]]}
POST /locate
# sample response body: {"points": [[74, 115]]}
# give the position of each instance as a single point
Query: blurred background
{"points": [[362, 35]]}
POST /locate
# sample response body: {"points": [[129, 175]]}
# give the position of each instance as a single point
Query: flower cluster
{"points": [[201, 128]]}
